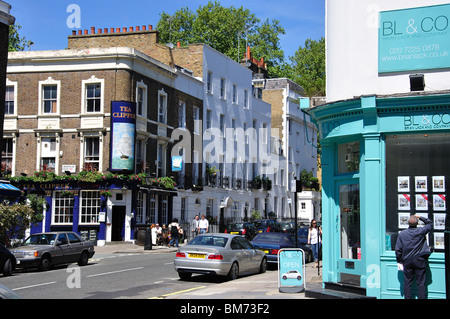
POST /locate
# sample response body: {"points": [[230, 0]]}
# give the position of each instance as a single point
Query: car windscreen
{"points": [[40, 239], [273, 238], [259, 224], [209, 241]]}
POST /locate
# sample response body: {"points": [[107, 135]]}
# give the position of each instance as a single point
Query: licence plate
{"points": [[234, 232], [196, 255], [260, 231]]}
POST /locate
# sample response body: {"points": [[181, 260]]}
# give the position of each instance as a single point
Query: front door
{"points": [[350, 234], [118, 223]]}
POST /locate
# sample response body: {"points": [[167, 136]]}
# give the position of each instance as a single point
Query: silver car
{"points": [[219, 254], [47, 249]]}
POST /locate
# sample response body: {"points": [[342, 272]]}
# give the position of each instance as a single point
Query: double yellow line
{"points": [[177, 292]]}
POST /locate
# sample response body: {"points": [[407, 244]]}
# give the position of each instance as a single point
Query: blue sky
{"points": [[45, 21]]}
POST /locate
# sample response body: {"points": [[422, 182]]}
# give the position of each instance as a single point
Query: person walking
{"points": [[412, 252], [174, 228], [315, 239], [194, 226], [203, 225]]}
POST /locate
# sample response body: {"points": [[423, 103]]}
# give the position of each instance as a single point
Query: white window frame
{"points": [[141, 202], [84, 84], [94, 206], [65, 210], [162, 109], [182, 119], [143, 86], [85, 135], [49, 82], [15, 95]]}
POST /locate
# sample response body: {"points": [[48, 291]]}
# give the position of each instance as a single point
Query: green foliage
{"points": [[17, 43], [256, 214], [308, 67], [227, 30], [308, 180]]}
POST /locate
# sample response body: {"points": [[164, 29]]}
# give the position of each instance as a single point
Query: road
{"points": [[107, 276]]}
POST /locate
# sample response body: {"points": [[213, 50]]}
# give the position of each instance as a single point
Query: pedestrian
{"points": [[156, 233], [315, 239], [194, 226], [412, 252], [203, 225], [174, 228]]}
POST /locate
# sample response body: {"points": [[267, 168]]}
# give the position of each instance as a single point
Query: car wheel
{"points": [[263, 266], [83, 259], [234, 271], [45, 263], [284, 277], [8, 268], [184, 275]]}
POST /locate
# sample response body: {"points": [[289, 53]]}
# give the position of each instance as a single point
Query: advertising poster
{"points": [[123, 130], [291, 270], [414, 39]]}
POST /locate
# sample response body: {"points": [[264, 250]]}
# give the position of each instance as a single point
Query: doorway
{"points": [[118, 223]]}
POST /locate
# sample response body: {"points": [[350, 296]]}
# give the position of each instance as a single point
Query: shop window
{"points": [[348, 158], [63, 208], [416, 176], [90, 207], [350, 221]]}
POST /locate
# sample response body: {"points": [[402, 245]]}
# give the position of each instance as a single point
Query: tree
{"points": [[308, 67], [17, 43], [227, 30]]}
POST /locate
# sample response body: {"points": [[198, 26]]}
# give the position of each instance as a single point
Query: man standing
{"points": [[203, 225], [194, 226], [412, 253]]}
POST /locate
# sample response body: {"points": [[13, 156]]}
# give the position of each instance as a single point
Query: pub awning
{"points": [[8, 190]]}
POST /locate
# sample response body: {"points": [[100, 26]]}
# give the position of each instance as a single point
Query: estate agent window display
{"points": [[416, 183]]}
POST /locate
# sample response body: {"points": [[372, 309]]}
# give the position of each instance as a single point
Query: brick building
{"points": [[60, 122]]}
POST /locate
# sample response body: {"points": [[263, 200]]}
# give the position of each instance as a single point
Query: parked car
{"points": [[271, 243], [302, 236], [268, 225], [7, 293], [44, 250], [248, 230], [219, 254], [7, 261], [287, 225]]}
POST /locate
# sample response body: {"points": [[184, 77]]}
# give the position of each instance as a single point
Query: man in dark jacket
{"points": [[412, 253]]}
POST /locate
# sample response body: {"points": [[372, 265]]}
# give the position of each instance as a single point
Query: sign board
{"points": [[291, 270], [177, 163], [123, 131], [414, 39]]}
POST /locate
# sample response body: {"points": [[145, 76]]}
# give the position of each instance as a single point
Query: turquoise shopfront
{"points": [[383, 158]]}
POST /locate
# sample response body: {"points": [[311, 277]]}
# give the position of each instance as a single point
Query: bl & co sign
{"points": [[414, 39]]}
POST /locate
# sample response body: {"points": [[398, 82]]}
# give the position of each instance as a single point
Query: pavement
{"points": [[259, 286]]}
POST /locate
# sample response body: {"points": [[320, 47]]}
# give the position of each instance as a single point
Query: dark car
{"points": [[268, 225], [53, 248], [248, 230], [271, 243], [287, 225], [7, 261]]}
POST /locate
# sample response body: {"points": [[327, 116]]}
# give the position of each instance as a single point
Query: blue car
{"points": [[271, 243]]}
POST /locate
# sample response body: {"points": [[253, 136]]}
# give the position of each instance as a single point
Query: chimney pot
{"points": [[85, 31], [74, 32], [117, 30], [112, 30], [144, 28], [178, 44], [150, 27], [124, 29], [79, 32], [99, 31], [130, 29], [92, 30], [138, 28], [105, 30]]}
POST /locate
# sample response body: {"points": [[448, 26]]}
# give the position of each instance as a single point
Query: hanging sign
{"points": [[123, 130]]}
